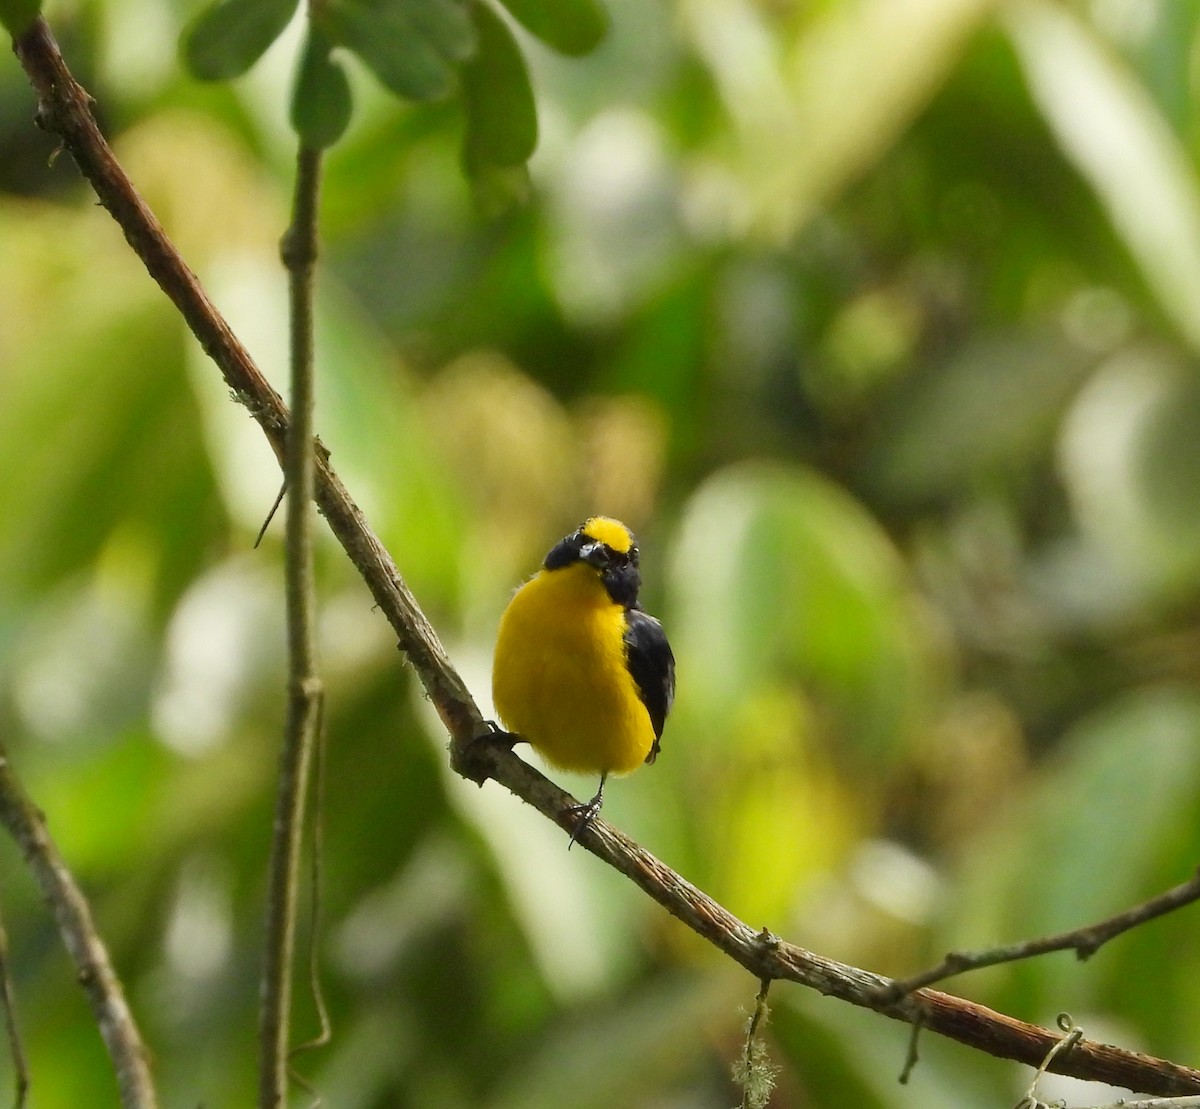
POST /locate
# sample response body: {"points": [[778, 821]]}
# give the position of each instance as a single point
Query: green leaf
{"points": [[17, 15], [980, 413], [1136, 165], [811, 587], [818, 101], [392, 46], [321, 99], [498, 189], [226, 39], [445, 23], [501, 114], [569, 26]]}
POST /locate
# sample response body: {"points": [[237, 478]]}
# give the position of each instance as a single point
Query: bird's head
{"points": [[607, 546]]}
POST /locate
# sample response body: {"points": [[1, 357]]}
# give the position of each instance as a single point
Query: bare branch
{"points": [[65, 110], [1152, 1103], [1085, 941], [767, 957], [93, 968], [305, 691]]}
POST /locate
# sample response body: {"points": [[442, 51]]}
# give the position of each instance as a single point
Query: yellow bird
{"points": [[580, 671]]}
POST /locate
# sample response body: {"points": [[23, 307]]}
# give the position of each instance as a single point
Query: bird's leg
{"points": [[586, 813]]}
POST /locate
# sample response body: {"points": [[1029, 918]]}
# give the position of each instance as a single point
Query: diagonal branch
{"points": [[27, 826], [767, 957], [64, 108]]}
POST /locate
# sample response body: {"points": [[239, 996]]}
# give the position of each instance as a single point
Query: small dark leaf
{"points": [[501, 114], [226, 39], [391, 46], [321, 100], [569, 26], [17, 15]]}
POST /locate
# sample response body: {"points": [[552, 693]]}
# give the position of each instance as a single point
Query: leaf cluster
{"points": [[421, 50]]}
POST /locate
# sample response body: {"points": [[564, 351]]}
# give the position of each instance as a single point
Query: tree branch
{"points": [[767, 957], [1151, 1103], [64, 108], [1085, 941], [12, 1030], [305, 692], [27, 825]]}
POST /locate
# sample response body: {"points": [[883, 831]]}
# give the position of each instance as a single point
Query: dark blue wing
{"points": [[650, 661]]}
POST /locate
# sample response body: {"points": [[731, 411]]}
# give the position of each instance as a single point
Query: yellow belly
{"points": [[559, 678]]}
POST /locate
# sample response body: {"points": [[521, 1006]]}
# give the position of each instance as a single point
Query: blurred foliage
{"points": [[876, 318], [17, 15], [413, 47]]}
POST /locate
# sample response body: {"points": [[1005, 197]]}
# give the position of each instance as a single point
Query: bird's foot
{"points": [[584, 815], [470, 758]]}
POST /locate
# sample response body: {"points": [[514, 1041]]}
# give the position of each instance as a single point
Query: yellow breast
{"points": [[559, 678]]}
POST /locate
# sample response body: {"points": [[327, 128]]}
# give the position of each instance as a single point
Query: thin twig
{"points": [[299, 252], [324, 1031], [754, 1071], [270, 514], [1085, 941], [27, 825], [760, 1009], [12, 1030], [64, 109], [1071, 1035], [912, 1055]]}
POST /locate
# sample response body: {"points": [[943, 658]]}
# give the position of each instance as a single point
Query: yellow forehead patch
{"points": [[610, 532]]}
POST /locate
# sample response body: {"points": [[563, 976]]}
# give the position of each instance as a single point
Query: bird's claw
{"points": [[584, 815], [494, 735]]}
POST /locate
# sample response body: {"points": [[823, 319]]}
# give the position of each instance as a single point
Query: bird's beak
{"points": [[593, 554]]}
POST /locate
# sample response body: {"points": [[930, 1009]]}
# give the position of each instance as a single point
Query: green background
{"points": [[877, 320]]}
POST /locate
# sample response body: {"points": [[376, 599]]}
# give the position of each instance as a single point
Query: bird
{"points": [[581, 672]]}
